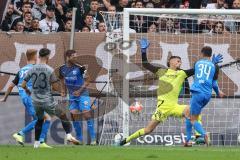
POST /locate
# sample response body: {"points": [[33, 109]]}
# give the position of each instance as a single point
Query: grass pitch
{"points": [[13, 152]]}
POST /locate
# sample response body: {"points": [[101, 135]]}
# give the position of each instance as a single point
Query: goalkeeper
{"points": [[170, 83]]}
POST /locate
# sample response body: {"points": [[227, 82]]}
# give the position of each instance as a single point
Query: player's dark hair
{"points": [[44, 52], [69, 52], [207, 51], [172, 57], [31, 53]]}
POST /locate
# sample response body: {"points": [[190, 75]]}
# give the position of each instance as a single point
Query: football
{"points": [[136, 108], [238, 138], [117, 139]]}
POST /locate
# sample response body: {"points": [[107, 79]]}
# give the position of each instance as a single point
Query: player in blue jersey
{"points": [[75, 81], [205, 79], [31, 55]]}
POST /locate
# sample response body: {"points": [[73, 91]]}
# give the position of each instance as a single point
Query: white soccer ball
{"points": [[238, 138], [118, 138]]}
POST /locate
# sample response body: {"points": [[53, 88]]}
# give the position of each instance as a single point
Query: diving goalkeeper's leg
{"points": [[150, 127]]}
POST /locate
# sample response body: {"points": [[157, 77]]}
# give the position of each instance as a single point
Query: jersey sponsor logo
{"points": [[71, 78], [74, 72], [171, 76], [85, 103]]}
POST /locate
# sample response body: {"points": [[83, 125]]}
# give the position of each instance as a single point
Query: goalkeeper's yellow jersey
{"points": [[170, 85]]}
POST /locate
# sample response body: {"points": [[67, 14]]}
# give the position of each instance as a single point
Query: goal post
{"points": [[126, 79]]}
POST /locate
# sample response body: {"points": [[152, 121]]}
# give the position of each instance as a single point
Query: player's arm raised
{"points": [[215, 84], [10, 88], [217, 59], [144, 43]]}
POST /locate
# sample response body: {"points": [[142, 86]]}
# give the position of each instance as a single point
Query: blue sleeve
{"points": [[215, 87], [28, 75]]}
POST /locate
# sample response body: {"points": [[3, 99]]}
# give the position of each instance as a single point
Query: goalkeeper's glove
{"points": [[217, 59], [144, 43]]}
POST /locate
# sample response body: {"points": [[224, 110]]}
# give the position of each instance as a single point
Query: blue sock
{"points": [[91, 131], [78, 129], [28, 127], [188, 129], [45, 127], [198, 127]]}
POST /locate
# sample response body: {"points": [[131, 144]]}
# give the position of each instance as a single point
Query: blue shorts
{"points": [[198, 102], [81, 104], [27, 101]]}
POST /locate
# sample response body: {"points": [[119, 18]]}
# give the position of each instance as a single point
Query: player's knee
{"points": [[75, 116], [147, 130], [186, 112], [193, 120]]}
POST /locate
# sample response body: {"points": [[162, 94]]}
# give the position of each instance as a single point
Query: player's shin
{"points": [[38, 129], [188, 129], [91, 131], [78, 129], [135, 135], [44, 131], [66, 126], [28, 127], [198, 127]]}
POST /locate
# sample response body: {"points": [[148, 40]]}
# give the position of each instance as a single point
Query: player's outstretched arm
{"points": [[9, 90], [215, 87], [215, 84], [144, 44]]}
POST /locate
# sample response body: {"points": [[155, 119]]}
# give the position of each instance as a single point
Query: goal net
{"points": [[171, 32]]}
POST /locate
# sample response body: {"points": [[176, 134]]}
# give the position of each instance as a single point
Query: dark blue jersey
{"points": [[74, 78]]}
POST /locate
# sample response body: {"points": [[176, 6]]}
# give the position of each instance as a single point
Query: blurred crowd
{"points": [[56, 16]]}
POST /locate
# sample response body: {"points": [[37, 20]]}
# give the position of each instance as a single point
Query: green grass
{"points": [[11, 152]]}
